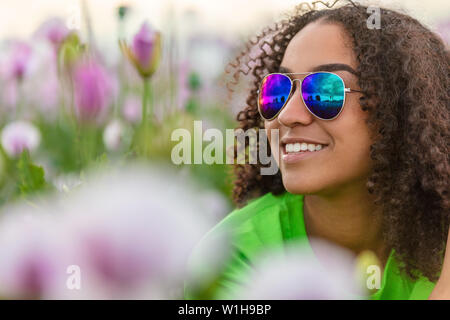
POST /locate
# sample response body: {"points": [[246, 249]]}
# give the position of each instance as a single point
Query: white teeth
{"points": [[297, 147]]}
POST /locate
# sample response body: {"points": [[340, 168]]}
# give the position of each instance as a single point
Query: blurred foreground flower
{"points": [[296, 274], [145, 51], [126, 235], [92, 90], [18, 136], [67, 182], [33, 261]]}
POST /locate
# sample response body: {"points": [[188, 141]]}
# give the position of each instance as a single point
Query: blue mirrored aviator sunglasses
{"points": [[323, 94]]}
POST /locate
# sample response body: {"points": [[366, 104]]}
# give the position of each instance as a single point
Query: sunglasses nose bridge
{"points": [[291, 114], [293, 83], [293, 88]]}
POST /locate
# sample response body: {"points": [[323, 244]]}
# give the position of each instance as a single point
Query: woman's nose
{"points": [[295, 112]]}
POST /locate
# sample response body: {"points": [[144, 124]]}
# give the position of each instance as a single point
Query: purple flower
{"points": [[18, 136], [92, 89], [32, 263], [16, 60], [33, 272], [20, 58], [145, 51], [54, 30], [143, 43], [132, 109]]}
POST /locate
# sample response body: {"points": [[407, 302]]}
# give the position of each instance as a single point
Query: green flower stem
{"points": [[21, 101], [150, 100], [142, 134], [86, 135], [145, 101]]}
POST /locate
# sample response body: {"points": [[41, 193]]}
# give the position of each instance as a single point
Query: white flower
{"points": [[113, 135], [18, 136]]}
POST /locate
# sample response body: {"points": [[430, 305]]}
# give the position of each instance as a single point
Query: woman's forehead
{"points": [[319, 43]]}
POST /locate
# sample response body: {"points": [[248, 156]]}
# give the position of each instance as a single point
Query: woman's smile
{"points": [[294, 151]]}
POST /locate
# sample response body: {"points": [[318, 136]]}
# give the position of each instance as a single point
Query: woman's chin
{"points": [[300, 188]]}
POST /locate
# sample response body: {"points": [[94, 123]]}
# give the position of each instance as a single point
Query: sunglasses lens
{"points": [[323, 94], [273, 94]]}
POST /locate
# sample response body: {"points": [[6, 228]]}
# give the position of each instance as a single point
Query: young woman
{"points": [[363, 120]]}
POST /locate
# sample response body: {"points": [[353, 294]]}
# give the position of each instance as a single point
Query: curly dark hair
{"points": [[403, 73]]}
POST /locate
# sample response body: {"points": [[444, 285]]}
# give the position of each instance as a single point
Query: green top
{"points": [[271, 221]]}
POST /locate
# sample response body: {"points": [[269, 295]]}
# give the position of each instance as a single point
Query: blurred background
{"points": [[77, 78]]}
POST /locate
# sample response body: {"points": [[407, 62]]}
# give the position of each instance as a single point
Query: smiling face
{"points": [[342, 160]]}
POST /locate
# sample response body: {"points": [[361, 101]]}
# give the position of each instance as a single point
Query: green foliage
{"points": [[194, 82], [31, 178], [192, 105], [58, 142]]}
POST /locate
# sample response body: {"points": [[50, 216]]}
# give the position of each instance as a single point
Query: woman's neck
{"points": [[347, 218]]}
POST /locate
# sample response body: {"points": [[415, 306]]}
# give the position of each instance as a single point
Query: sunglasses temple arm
{"points": [[352, 90]]}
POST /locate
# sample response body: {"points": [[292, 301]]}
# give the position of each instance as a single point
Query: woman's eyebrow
{"points": [[334, 67], [284, 70], [324, 67]]}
